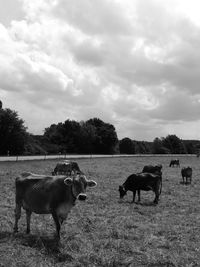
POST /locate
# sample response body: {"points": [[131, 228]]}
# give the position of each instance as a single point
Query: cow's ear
{"points": [[68, 181], [91, 183]]}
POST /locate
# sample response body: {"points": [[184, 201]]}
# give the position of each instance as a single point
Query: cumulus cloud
{"points": [[133, 63]]}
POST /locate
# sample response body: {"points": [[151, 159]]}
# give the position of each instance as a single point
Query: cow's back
{"points": [[152, 169]]}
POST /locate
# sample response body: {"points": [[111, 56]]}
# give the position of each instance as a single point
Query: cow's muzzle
{"points": [[82, 197]]}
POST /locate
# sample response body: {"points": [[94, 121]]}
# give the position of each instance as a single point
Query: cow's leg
{"points": [[17, 216], [138, 192], [134, 193], [156, 198], [28, 221], [156, 195], [157, 192], [57, 223]]}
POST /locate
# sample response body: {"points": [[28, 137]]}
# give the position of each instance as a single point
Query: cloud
{"points": [[133, 63], [100, 17]]}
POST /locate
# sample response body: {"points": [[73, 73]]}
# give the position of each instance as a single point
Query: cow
{"points": [[66, 168], [153, 169], [142, 181], [174, 162], [186, 173], [43, 194]]}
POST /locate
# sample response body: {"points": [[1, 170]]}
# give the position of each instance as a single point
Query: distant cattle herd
{"points": [[57, 193]]}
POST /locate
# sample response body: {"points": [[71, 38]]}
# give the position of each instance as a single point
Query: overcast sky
{"points": [[132, 63]]}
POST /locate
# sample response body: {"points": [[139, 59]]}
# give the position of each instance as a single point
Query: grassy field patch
{"points": [[105, 231]]}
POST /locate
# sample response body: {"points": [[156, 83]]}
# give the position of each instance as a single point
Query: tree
{"points": [[126, 146], [106, 140], [174, 144], [12, 133], [87, 138], [66, 135], [92, 136], [158, 147]]}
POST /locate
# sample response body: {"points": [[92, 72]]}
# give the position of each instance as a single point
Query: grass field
{"points": [[104, 231]]}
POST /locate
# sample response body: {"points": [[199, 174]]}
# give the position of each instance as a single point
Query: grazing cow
{"points": [[153, 169], [186, 173], [66, 168], [54, 195], [142, 181], [174, 162]]}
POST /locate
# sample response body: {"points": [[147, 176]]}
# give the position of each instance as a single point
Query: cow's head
{"points": [[79, 183], [122, 191]]}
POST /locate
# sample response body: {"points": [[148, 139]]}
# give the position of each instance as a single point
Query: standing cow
{"points": [[186, 173], [55, 195], [153, 169], [174, 162], [66, 168], [142, 181]]}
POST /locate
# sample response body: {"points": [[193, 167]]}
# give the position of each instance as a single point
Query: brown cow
{"points": [[174, 162], [153, 169], [66, 168], [186, 173], [54, 195], [142, 181]]}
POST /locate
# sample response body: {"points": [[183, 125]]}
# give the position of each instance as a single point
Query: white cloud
{"points": [[133, 63]]}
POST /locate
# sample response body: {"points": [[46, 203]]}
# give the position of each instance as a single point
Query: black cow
{"points": [[66, 168], [142, 181], [174, 162], [186, 173], [153, 169], [54, 195]]}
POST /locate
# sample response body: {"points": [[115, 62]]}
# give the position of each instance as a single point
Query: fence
{"points": [[62, 157]]}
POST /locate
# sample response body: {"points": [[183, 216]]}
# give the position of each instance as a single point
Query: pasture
{"points": [[104, 231]]}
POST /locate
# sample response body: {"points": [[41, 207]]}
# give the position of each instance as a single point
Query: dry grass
{"points": [[104, 231]]}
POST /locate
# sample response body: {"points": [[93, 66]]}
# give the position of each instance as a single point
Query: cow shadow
{"points": [[185, 183], [48, 245], [136, 203], [147, 204], [5, 235]]}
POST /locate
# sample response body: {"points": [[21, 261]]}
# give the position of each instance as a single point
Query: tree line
{"points": [[93, 136]]}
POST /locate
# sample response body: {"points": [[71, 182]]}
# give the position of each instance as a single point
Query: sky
{"points": [[132, 63]]}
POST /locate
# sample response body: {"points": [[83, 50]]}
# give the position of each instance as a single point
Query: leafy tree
{"points": [[158, 147], [13, 133], [106, 140], [66, 135], [174, 144], [87, 138], [92, 136], [54, 133], [126, 146]]}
